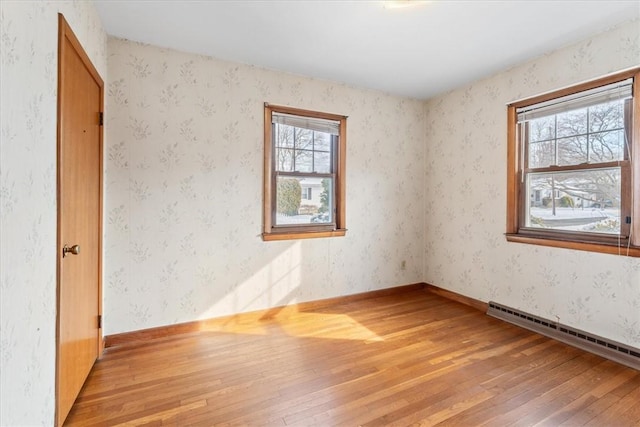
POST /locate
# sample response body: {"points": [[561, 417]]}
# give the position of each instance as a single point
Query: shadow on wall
{"points": [[276, 283], [207, 285]]}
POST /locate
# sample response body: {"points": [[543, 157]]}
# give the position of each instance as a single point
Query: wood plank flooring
{"points": [[410, 359]]}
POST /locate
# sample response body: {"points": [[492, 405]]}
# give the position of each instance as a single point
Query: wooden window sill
{"points": [[632, 251], [294, 235]]}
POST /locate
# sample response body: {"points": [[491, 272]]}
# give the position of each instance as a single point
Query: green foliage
{"points": [[566, 202], [563, 202], [324, 196], [537, 221], [289, 194], [607, 226]]}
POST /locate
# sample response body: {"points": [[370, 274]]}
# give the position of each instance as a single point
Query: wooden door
{"points": [[80, 93]]}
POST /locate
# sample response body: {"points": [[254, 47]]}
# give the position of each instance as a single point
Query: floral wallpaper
{"points": [[28, 84], [183, 196], [465, 193]]}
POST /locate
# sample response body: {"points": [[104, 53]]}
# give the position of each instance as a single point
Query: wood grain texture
{"points": [[513, 192], [631, 251], [411, 358], [471, 302], [297, 235], [79, 201], [602, 81], [635, 163], [281, 312]]}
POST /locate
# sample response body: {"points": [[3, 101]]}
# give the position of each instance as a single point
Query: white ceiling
{"points": [[416, 51]]}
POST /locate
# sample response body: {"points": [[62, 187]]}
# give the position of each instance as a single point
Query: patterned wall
{"points": [[28, 83], [183, 195], [465, 215], [183, 212]]}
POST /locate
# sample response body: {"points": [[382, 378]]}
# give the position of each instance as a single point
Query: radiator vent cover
{"points": [[609, 349]]}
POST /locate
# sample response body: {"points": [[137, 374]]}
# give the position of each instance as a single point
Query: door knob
{"points": [[75, 250]]}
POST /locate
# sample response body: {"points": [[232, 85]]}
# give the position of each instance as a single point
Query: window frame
{"points": [[630, 181], [304, 231]]}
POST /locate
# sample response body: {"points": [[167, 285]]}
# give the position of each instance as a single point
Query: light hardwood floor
{"points": [[410, 359]]}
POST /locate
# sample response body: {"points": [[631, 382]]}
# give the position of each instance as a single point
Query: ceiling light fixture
{"points": [[402, 4]]}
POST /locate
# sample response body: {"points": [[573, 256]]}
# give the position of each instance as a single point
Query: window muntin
{"points": [[304, 173], [571, 166], [303, 150], [592, 135], [576, 200]]}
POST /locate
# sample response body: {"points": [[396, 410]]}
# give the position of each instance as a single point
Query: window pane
{"points": [[322, 162], [541, 154], [322, 141], [306, 200], [572, 123], [587, 201], [606, 116], [304, 161], [284, 160], [283, 136], [302, 150], [606, 146], [572, 151], [542, 129], [303, 139]]}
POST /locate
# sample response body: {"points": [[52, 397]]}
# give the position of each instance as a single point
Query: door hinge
{"points": [[101, 118], [99, 321]]}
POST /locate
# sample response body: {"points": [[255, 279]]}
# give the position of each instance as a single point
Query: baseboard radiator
{"points": [[609, 349]]}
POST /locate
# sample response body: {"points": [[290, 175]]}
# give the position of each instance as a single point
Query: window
{"points": [[574, 167], [306, 193], [304, 174]]}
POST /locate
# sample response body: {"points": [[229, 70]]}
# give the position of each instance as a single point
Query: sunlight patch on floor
{"points": [[277, 284], [301, 325], [329, 326]]}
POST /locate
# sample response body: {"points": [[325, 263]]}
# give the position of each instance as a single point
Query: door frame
{"points": [[66, 33]]}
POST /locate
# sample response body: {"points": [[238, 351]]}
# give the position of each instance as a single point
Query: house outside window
{"points": [[304, 174], [574, 160]]}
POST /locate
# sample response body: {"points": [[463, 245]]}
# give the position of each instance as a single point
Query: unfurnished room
{"points": [[319, 213]]}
